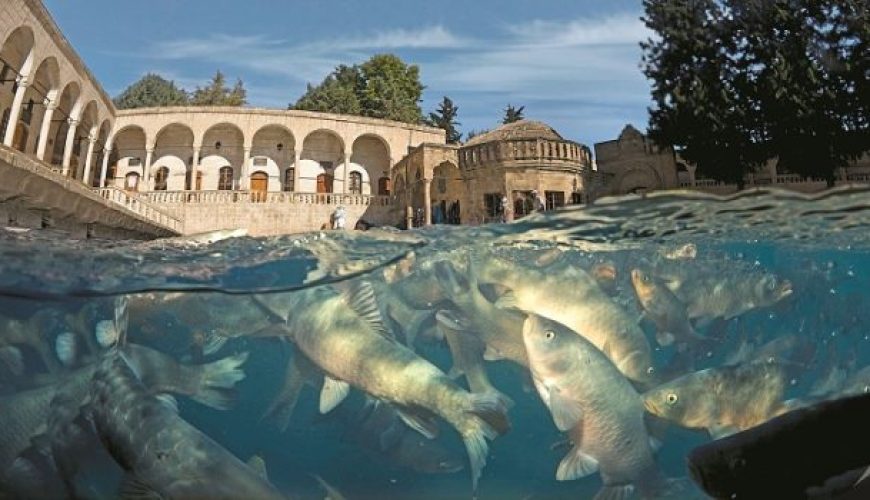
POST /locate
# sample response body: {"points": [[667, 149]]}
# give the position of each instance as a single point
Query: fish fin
{"points": [[477, 448], [543, 391], [491, 354], [25, 472], [641, 317], [332, 393], [566, 412], [361, 298], [213, 343], [864, 476], [391, 437], [12, 358], [425, 426], [217, 379], [615, 492], [331, 492], [508, 300], [576, 465], [718, 431], [168, 400], [492, 408], [455, 372], [664, 338], [415, 327], [258, 465], [560, 444], [281, 408], [448, 280], [655, 444], [452, 320], [122, 319], [133, 488], [65, 347]]}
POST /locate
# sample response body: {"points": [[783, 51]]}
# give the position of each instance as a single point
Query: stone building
{"points": [[192, 169], [520, 161]]}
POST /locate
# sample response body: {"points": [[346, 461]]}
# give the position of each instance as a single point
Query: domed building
{"points": [[501, 174]]}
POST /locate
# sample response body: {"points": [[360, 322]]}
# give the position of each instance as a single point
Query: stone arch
{"points": [[222, 145], [322, 153], [371, 157], [66, 105], [273, 152], [638, 179], [173, 149], [43, 88], [100, 152], [129, 152], [445, 191], [87, 128]]}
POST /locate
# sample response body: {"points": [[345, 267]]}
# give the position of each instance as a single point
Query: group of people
{"points": [[532, 199]]}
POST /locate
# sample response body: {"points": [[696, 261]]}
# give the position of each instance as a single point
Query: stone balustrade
{"points": [[523, 150], [139, 206], [232, 197]]}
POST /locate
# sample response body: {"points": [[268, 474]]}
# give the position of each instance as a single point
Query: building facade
{"points": [[193, 169]]}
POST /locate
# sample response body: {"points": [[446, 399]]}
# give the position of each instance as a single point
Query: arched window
{"points": [[131, 182], [225, 179], [355, 183], [290, 179], [384, 186], [160, 178]]}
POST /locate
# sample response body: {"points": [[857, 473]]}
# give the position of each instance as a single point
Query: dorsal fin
{"points": [[361, 298], [121, 319]]}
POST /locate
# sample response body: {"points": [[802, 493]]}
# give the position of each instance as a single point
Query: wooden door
{"points": [[324, 183], [259, 186], [19, 140]]}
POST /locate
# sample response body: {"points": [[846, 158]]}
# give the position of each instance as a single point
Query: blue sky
{"points": [[571, 63]]}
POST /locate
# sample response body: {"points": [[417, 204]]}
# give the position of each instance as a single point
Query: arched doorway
{"points": [[259, 186], [160, 178], [384, 186]]}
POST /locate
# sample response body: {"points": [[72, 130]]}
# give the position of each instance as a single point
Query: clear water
{"points": [[183, 290]]}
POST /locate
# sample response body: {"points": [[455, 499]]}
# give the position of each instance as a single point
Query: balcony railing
{"points": [[223, 197], [136, 204]]}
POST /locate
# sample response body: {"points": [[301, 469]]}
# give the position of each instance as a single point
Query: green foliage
{"points": [[737, 83], [216, 93], [151, 91], [382, 87], [474, 133], [512, 114], [445, 118]]}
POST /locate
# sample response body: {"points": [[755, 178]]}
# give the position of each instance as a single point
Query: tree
{"points": [[737, 83], [474, 133], [382, 87], [445, 118], [151, 90], [338, 93], [512, 114], [216, 93]]}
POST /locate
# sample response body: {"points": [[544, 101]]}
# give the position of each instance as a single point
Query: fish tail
{"points": [[486, 419], [474, 438], [615, 492], [216, 380]]}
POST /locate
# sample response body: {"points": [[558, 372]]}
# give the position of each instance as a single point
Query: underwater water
{"points": [[679, 317]]}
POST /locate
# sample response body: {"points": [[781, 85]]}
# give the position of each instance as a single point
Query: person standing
{"points": [[339, 217], [538, 201]]}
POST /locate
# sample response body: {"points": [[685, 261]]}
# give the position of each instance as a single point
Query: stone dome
{"points": [[523, 129]]}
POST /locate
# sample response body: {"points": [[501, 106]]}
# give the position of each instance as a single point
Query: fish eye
{"points": [[549, 334], [650, 370], [671, 398]]}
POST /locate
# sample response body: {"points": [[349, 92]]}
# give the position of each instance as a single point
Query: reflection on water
{"points": [[571, 353]]}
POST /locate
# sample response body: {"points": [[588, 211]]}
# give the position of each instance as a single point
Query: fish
{"points": [[723, 400], [588, 397], [606, 275], [795, 455], [25, 414], [342, 333], [664, 309], [713, 289], [573, 298], [163, 455], [33, 333], [298, 373]]}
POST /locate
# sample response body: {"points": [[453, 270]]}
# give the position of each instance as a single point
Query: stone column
{"points": [[105, 168], [194, 167], [146, 169], [345, 188], [245, 174], [771, 169], [45, 130], [297, 158], [88, 159], [15, 113], [427, 201], [68, 147]]}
